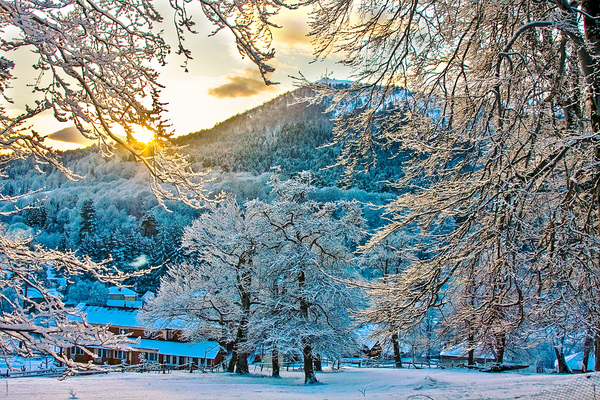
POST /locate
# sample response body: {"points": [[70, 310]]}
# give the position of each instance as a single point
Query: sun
{"points": [[143, 135]]}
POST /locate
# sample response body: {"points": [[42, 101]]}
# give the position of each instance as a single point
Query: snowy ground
{"points": [[348, 383]]}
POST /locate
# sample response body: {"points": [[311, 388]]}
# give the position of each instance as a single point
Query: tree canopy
{"points": [[501, 115]]}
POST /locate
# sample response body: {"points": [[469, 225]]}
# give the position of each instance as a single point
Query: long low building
{"points": [[165, 346], [178, 353]]}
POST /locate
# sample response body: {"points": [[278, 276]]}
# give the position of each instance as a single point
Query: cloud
{"points": [[293, 32], [250, 83], [70, 135], [292, 38]]}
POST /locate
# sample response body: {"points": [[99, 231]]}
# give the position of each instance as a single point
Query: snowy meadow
{"points": [[347, 383]]}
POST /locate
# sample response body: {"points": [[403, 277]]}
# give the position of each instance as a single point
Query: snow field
{"points": [[348, 383]]}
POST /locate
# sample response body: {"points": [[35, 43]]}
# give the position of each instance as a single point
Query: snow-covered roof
{"points": [[127, 318], [122, 291], [208, 349], [462, 351], [109, 315], [124, 303], [575, 361]]}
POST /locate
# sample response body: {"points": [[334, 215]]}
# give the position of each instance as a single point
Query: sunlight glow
{"points": [[143, 135]]}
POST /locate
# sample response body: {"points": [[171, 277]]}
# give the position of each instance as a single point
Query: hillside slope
{"points": [[128, 223]]}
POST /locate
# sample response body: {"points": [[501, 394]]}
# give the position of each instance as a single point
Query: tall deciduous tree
{"points": [[267, 274], [306, 307], [217, 291], [501, 113]]}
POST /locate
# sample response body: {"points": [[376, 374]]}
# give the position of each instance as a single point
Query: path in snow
{"points": [[349, 383]]}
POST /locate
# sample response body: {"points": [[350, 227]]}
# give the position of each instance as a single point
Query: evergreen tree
{"points": [[149, 226], [88, 225], [35, 216]]}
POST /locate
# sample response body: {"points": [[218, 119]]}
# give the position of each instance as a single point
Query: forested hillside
{"points": [[112, 213], [288, 132]]}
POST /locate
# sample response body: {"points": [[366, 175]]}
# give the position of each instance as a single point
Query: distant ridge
{"points": [[287, 132]]}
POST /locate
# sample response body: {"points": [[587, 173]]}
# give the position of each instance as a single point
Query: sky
{"points": [[218, 84]]}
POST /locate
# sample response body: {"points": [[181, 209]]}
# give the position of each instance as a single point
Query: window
{"points": [[123, 331], [120, 354], [150, 335], [76, 351], [150, 356]]}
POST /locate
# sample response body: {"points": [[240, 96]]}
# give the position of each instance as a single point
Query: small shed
{"points": [[575, 362], [460, 354]]}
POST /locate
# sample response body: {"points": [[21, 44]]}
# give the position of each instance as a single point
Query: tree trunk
{"points": [[317, 363], [303, 302], [597, 352], [471, 355], [397, 355], [244, 285], [309, 373], [242, 356], [563, 368], [275, 361], [242, 364], [500, 346], [233, 361], [587, 348]]}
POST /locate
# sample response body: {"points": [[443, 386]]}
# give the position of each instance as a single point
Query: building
{"points": [[165, 346], [575, 362], [460, 354], [123, 297]]}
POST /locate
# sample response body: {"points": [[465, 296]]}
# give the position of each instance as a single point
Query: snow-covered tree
{"points": [[149, 226], [306, 300], [215, 293], [500, 110], [93, 293], [266, 274]]}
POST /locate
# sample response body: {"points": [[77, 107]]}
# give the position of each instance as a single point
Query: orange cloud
{"points": [[248, 84]]}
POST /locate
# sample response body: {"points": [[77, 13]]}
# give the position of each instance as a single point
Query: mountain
{"points": [[112, 212], [288, 132]]}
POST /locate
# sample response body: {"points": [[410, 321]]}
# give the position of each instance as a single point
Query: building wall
{"points": [[132, 332], [111, 357]]}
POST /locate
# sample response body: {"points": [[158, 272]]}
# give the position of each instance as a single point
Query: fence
{"points": [[585, 386]]}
